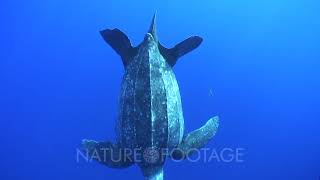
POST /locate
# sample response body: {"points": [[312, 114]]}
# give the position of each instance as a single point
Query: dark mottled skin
{"points": [[150, 110], [150, 104]]}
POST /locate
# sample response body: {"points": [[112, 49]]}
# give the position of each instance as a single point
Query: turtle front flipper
{"points": [[108, 154], [196, 139]]}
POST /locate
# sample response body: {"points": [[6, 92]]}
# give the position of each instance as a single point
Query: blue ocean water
{"points": [[258, 69]]}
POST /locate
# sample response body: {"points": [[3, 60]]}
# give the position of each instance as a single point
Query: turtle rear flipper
{"points": [[196, 139], [108, 154]]}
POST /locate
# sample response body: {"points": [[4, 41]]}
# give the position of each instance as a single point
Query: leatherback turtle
{"points": [[150, 126]]}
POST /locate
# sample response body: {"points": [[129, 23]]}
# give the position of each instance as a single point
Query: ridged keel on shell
{"points": [[150, 111], [150, 105]]}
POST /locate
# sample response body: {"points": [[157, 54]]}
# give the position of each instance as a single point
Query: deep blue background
{"points": [[59, 83]]}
